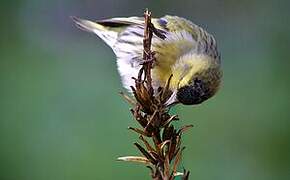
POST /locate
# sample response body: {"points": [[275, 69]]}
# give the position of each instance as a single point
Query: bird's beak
{"points": [[172, 100]]}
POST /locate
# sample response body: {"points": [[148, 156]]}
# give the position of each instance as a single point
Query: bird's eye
{"points": [[162, 22], [195, 93]]}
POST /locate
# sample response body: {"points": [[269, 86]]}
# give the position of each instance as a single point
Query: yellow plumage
{"points": [[187, 52]]}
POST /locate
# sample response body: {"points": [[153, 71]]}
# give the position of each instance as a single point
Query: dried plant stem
{"points": [[163, 156]]}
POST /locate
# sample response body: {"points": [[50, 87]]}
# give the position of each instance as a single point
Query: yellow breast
{"points": [[167, 55], [186, 68]]}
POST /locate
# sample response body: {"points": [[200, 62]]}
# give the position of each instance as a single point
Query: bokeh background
{"points": [[61, 117]]}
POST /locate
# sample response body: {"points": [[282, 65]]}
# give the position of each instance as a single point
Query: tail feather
{"points": [[107, 35]]}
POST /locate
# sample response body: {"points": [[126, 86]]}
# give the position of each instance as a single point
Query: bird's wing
{"points": [[205, 42], [120, 24], [175, 24], [171, 24]]}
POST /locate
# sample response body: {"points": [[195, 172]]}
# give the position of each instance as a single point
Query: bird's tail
{"points": [[105, 33]]}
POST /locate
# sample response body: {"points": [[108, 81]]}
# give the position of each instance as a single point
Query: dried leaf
{"points": [[167, 133], [156, 156], [128, 99], [146, 153], [172, 148], [137, 159], [168, 121], [147, 144], [138, 116], [162, 145], [156, 139], [185, 128], [149, 126], [178, 141], [178, 174], [166, 93], [166, 167], [140, 75], [177, 160], [139, 131]]}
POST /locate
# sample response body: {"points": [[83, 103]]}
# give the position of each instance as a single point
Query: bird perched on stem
{"points": [[182, 49]]}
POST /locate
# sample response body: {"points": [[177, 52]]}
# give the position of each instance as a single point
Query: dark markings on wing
{"points": [[121, 22], [112, 24], [159, 33]]}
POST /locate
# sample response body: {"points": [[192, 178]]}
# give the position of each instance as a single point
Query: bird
{"points": [[185, 51]]}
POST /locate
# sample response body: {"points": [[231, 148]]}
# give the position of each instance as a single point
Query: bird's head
{"points": [[195, 79]]}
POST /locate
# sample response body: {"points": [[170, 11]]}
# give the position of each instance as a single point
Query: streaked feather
{"points": [[184, 42]]}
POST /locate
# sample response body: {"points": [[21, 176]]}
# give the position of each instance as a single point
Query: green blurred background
{"points": [[61, 117]]}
